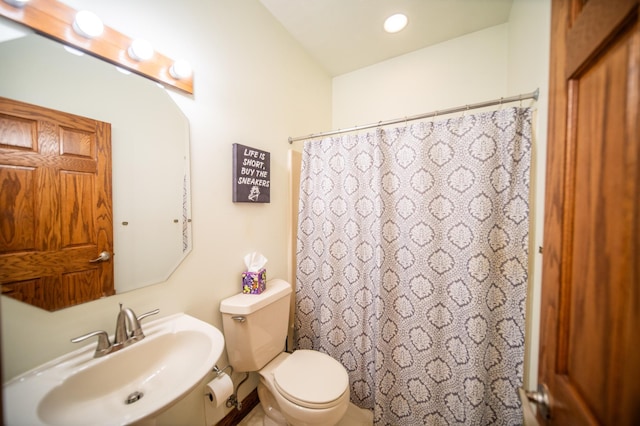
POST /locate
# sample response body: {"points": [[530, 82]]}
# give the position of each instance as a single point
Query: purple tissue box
{"points": [[254, 282]]}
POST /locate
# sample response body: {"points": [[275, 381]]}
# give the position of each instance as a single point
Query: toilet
{"points": [[305, 387]]}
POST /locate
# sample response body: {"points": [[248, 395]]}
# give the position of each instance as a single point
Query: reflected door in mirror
{"points": [[149, 149], [55, 206]]}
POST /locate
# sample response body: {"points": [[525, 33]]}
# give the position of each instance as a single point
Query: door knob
{"points": [[540, 397], [102, 257]]}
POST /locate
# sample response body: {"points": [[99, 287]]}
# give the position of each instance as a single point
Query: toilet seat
{"points": [[311, 379]]}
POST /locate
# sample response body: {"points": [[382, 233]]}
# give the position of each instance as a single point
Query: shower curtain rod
{"points": [[521, 97]]}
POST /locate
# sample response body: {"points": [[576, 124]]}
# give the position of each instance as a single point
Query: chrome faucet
{"points": [[128, 331]]}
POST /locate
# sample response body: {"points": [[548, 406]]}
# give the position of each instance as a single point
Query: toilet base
{"points": [[284, 412], [354, 416], [267, 421], [273, 416]]}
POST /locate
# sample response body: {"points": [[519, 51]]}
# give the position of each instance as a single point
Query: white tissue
{"points": [[219, 389], [255, 261]]}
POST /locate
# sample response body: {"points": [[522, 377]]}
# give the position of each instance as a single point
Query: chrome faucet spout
{"points": [[121, 335], [128, 328], [135, 331], [128, 331]]}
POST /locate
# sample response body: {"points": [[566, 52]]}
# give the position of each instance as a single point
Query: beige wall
{"points": [[529, 35], [500, 61], [254, 86], [468, 69]]}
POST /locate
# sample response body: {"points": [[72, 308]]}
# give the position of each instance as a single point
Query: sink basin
{"points": [[126, 386]]}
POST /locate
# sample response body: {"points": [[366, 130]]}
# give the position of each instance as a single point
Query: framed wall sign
{"points": [[251, 175]]}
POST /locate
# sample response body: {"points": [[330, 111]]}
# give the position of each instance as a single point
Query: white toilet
{"points": [[302, 388]]}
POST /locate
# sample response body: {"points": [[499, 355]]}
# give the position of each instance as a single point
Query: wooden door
{"points": [[55, 206], [590, 322]]}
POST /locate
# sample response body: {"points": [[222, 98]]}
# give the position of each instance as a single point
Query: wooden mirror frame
{"points": [[54, 19]]}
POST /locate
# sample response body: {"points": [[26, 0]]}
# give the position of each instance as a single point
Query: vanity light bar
{"points": [[54, 19]]}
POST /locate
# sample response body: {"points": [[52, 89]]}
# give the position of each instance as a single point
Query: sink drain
{"points": [[134, 397]]}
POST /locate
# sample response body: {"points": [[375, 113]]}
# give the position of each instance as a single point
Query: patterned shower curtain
{"points": [[412, 265]]}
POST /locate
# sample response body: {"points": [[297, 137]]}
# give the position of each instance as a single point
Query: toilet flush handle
{"points": [[239, 318]]}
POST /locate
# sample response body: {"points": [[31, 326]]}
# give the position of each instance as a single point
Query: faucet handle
{"points": [[104, 345], [136, 333], [148, 314]]}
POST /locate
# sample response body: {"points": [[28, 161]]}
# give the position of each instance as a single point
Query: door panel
{"points": [[591, 296], [76, 190], [55, 211], [18, 188], [601, 243]]}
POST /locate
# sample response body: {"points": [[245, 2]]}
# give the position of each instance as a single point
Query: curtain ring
{"points": [[466, 108], [500, 107], [520, 99]]}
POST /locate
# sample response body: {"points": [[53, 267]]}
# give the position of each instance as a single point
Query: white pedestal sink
{"points": [[126, 386]]}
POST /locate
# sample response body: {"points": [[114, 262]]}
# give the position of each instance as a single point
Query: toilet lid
{"points": [[311, 379]]}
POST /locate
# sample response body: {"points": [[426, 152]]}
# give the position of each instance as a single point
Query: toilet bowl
{"points": [[302, 388], [305, 388]]}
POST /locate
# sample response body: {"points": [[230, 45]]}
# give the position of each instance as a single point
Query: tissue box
{"points": [[254, 282]]}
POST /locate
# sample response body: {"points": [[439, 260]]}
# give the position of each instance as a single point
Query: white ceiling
{"points": [[345, 35]]}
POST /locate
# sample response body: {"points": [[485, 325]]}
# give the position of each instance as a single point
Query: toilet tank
{"points": [[255, 325]]}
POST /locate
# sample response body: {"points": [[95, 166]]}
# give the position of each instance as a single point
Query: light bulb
{"points": [[87, 24], [140, 50], [17, 3], [180, 70], [73, 51]]}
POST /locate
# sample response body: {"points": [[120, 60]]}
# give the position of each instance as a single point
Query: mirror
{"points": [[150, 146]]}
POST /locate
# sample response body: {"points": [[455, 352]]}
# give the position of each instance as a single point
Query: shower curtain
{"points": [[412, 265]]}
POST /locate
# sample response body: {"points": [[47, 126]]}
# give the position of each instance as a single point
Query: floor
{"points": [[254, 418], [352, 418]]}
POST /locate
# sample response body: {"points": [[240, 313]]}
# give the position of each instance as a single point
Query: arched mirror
{"points": [[150, 146]]}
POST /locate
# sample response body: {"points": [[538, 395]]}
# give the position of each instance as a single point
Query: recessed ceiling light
{"points": [[395, 23]]}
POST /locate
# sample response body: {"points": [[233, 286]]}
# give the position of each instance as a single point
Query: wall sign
{"points": [[251, 175]]}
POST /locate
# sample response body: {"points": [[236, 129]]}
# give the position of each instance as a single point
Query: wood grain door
{"points": [[55, 206], [590, 325]]}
